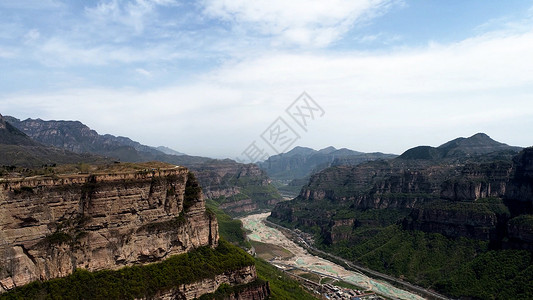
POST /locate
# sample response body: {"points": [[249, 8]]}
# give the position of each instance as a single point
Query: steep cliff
{"points": [[245, 277], [519, 193], [52, 225], [456, 218], [238, 188], [471, 196]]}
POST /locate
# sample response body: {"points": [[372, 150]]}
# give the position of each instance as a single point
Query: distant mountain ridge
{"points": [[79, 138], [169, 151], [18, 149], [243, 187], [478, 144], [301, 162], [10, 135]]}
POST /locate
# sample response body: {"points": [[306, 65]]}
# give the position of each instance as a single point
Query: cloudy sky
{"points": [[212, 77]]}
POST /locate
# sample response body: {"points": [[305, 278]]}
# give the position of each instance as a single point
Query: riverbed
{"points": [[302, 259]]}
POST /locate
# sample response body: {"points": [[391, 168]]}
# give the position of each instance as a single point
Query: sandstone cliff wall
{"points": [[474, 200], [51, 226], [210, 285], [244, 187]]}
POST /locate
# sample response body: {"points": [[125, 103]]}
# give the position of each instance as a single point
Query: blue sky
{"points": [[208, 77]]}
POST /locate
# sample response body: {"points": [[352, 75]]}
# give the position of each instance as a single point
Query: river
{"points": [[302, 259]]}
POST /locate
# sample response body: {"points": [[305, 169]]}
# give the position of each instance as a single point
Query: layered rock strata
{"points": [[51, 226]]}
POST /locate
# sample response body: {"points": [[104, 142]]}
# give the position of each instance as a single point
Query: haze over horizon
{"points": [[209, 77]]}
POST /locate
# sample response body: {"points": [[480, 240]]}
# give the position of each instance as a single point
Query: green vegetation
{"points": [[344, 284], [486, 206], [172, 224], [281, 285], [251, 187], [419, 257], [68, 231], [138, 281], [229, 229], [58, 237], [225, 291], [325, 280], [504, 274], [456, 267], [103, 167], [309, 276], [523, 220], [193, 191], [269, 251]]}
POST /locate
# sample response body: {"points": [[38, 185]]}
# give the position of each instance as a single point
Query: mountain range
{"points": [[18, 149], [451, 218], [77, 137], [301, 162], [242, 188], [476, 145]]}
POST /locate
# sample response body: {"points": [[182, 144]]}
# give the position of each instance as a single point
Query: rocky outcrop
{"points": [[519, 193], [473, 199], [482, 221], [520, 232], [243, 276], [49, 226], [239, 188], [253, 292], [376, 185], [477, 181]]}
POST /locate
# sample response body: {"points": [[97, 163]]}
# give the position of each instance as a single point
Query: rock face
{"points": [[464, 196], [239, 188], [210, 285], [51, 226], [521, 232], [482, 221], [520, 191]]}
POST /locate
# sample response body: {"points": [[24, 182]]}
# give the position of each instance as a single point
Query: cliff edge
{"points": [[50, 226]]}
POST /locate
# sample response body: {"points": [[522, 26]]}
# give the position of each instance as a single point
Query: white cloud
{"points": [[481, 63], [309, 23], [143, 72], [6, 53], [32, 36], [373, 102], [134, 14], [59, 52], [387, 101]]}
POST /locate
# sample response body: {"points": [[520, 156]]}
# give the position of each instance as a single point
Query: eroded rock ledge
{"points": [[51, 226]]}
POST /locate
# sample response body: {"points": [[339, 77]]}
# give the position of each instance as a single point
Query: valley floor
{"points": [[302, 260]]}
